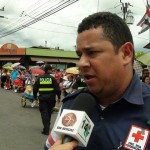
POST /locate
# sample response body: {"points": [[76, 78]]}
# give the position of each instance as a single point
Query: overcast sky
{"points": [[59, 29]]}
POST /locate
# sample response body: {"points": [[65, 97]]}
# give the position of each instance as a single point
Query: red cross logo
{"points": [[138, 136]]}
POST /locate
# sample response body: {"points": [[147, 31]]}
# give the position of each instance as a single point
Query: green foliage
{"points": [[139, 54]]}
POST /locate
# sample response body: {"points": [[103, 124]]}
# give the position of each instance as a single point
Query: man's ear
{"points": [[127, 52]]}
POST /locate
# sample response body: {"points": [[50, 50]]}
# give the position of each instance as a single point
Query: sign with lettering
{"points": [[137, 138], [11, 49], [76, 124]]}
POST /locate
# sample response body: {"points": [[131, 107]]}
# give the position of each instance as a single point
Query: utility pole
{"points": [[127, 14], [124, 9]]}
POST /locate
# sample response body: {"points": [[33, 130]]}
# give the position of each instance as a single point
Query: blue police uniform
{"points": [[113, 124], [79, 83], [48, 88]]}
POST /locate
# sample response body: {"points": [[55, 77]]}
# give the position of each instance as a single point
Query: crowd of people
{"points": [[14, 79], [17, 79]]}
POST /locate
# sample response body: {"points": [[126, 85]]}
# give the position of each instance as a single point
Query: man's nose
{"points": [[83, 61]]}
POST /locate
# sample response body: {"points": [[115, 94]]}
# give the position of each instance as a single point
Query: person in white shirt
{"points": [[67, 85]]}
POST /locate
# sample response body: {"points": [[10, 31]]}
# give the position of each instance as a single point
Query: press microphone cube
{"points": [[76, 124]]}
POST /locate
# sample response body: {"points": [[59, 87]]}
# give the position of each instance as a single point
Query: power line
{"points": [[22, 20], [54, 22], [50, 31], [40, 17]]}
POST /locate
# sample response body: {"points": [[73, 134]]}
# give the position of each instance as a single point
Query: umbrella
{"points": [[145, 59], [7, 66], [40, 62], [15, 65], [72, 70], [21, 67], [33, 67], [37, 71]]}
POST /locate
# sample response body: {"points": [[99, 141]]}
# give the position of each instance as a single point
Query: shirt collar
{"points": [[133, 93]]}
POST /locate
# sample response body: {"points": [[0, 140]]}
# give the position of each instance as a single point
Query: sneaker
{"points": [[33, 104]]}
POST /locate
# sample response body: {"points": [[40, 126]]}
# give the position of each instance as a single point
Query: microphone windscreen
{"points": [[84, 102]]}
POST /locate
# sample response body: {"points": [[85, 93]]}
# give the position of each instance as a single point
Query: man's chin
{"points": [[92, 89]]}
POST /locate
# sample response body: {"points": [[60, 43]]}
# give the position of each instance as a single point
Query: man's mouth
{"points": [[88, 77]]}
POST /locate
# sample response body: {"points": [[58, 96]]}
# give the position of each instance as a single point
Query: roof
{"points": [[50, 53]]}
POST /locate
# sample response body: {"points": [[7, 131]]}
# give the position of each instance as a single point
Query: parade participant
{"points": [[121, 116], [48, 88], [14, 75], [3, 77]]}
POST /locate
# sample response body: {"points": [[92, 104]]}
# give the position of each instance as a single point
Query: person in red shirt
{"points": [[58, 75], [18, 84]]}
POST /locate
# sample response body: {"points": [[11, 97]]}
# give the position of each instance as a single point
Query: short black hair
{"points": [[114, 28], [47, 67]]}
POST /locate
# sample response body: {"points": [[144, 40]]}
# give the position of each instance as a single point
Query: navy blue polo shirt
{"points": [[112, 125]]}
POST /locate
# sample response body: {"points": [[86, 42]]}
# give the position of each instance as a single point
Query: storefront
{"points": [[9, 52]]}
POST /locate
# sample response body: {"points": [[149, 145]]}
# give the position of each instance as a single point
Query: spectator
{"points": [[146, 79], [3, 77], [57, 75], [67, 85], [14, 75]]}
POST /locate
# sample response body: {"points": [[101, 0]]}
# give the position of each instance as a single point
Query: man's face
{"points": [[102, 69], [145, 73]]}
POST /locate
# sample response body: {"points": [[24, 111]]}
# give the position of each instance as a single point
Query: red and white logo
{"points": [[137, 138]]}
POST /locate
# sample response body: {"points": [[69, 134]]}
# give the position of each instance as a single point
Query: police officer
{"points": [[79, 84], [48, 88]]}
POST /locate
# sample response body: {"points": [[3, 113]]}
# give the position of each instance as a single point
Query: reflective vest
{"points": [[46, 85], [82, 84]]}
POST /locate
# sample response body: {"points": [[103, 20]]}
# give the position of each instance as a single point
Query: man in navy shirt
{"points": [[121, 115]]}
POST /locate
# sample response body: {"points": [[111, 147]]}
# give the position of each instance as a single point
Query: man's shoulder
{"points": [[68, 100], [145, 89], [146, 94]]}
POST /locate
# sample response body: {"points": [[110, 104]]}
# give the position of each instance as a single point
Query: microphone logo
{"points": [[69, 119], [87, 128]]}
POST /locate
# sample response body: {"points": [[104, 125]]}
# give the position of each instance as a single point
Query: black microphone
{"points": [[83, 102]]}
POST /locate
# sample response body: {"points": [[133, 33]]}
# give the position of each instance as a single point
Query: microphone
{"points": [[74, 123]]}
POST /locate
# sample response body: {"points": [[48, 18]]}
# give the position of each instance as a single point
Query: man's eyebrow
{"points": [[86, 49]]}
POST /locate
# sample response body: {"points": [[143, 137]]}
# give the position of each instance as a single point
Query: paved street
{"points": [[20, 128]]}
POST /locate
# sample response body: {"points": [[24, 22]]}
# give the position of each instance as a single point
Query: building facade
{"points": [[10, 52]]}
